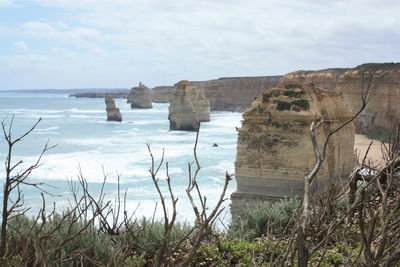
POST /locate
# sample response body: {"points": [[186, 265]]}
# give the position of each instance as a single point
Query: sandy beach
{"points": [[361, 145]]}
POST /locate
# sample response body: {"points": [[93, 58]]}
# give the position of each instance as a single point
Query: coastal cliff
{"points": [[160, 94], [120, 93], [225, 94], [383, 110], [274, 150], [235, 93]]}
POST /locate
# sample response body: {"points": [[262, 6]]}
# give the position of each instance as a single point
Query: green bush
{"points": [[152, 235], [291, 86], [268, 219], [282, 105], [239, 252], [135, 261], [295, 94], [302, 103]]}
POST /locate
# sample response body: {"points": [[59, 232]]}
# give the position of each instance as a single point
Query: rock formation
{"points": [[188, 105], [140, 97], [225, 94], [325, 79], [113, 113], [382, 112], [181, 113], [274, 150], [235, 93], [160, 94], [201, 105]]}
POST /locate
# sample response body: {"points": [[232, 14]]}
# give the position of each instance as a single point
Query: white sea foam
{"points": [[46, 129]]}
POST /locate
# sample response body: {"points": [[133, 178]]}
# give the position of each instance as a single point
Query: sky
{"points": [[118, 43]]}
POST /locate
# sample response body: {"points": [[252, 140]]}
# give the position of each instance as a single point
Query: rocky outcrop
{"points": [[181, 114], [383, 110], [225, 94], [274, 150], [201, 105], [160, 94], [236, 93], [113, 113], [325, 79], [140, 97]]}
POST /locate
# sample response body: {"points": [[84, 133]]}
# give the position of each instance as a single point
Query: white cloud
{"points": [[21, 46], [7, 3]]}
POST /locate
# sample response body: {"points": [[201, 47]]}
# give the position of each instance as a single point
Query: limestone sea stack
{"points": [[140, 97], [201, 105], [113, 113], [181, 113], [274, 150]]}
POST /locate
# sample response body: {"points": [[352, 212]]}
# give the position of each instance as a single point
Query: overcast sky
{"points": [[117, 43]]}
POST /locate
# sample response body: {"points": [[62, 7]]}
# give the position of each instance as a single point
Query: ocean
{"points": [[86, 141]]}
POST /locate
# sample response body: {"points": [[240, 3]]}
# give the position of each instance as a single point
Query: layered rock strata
{"points": [[201, 105], [160, 94], [382, 111], [140, 97], [113, 113], [181, 113], [274, 150], [235, 93], [225, 94]]}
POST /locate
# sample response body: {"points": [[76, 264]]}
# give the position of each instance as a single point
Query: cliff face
{"points": [[324, 79], [274, 150], [160, 94], [225, 94], [113, 113], [235, 94], [201, 105], [140, 97], [383, 110]]}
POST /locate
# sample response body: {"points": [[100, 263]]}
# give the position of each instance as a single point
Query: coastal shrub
{"points": [[295, 94], [265, 99], [49, 242], [302, 103], [239, 252], [135, 261], [268, 219], [282, 105], [291, 86], [152, 233]]}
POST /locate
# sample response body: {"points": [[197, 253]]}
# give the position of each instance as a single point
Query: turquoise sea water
{"points": [[86, 140]]}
